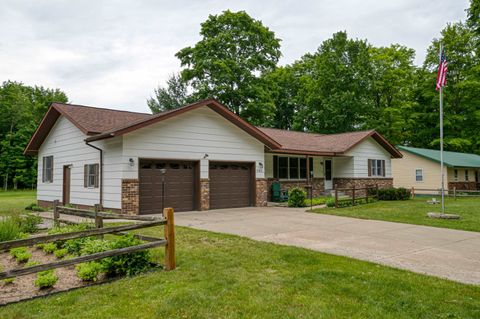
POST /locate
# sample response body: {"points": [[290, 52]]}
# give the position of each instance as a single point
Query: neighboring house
{"points": [[210, 158], [420, 168]]}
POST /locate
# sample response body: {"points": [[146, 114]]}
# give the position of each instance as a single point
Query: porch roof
{"points": [[294, 142]]}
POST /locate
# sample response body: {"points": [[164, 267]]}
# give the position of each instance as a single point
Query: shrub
{"points": [[35, 208], [9, 229], [73, 246], [46, 279], [60, 253], [296, 197], [21, 254], [49, 248], [95, 246], [129, 264], [89, 271], [8, 281], [28, 223], [393, 193]]}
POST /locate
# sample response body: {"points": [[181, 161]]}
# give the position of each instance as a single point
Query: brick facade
{"points": [[261, 197], [317, 183], [204, 194], [130, 196], [463, 185]]}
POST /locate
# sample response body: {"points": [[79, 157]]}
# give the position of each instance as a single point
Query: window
{"points": [[419, 175], [376, 167], [291, 167], [466, 175], [90, 174], [455, 174], [47, 171]]}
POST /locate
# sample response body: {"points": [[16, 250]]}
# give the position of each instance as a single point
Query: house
{"points": [[202, 154], [420, 168]]}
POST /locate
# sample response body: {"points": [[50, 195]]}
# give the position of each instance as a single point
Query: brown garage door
{"points": [[230, 185], [179, 186]]}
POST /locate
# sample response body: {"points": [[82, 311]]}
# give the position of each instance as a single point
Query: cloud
{"points": [[114, 53]]}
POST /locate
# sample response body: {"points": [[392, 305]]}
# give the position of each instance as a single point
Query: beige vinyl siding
{"points": [[404, 172], [317, 164], [190, 136], [461, 174], [361, 153]]}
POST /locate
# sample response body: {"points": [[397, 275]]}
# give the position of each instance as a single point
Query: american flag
{"points": [[442, 71]]}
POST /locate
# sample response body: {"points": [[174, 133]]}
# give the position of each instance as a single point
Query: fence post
{"points": [[98, 219], [353, 195], [367, 189], [56, 213], [413, 192], [170, 263], [454, 192], [336, 196]]}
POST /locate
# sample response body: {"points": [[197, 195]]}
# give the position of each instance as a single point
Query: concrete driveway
{"points": [[441, 252]]}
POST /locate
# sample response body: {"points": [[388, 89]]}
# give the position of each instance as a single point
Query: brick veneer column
{"points": [[261, 192], [204, 194], [130, 196]]}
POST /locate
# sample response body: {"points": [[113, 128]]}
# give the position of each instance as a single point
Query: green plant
{"points": [[21, 254], [129, 264], [60, 253], [39, 246], [95, 246], [28, 223], [35, 208], [391, 193], [72, 245], [296, 197], [49, 248], [31, 263], [89, 271], [46, 279], [9, 229]]}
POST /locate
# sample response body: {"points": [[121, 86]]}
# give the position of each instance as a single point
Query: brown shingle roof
{"points": [[102, 123], [324, 144], [94, 120]]}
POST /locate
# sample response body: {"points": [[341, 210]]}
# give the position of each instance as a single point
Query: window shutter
{"points": [[51, 170], [369, 167], [97, 175], [43, 169], [383, 168], [85, 175], [275, 166]]}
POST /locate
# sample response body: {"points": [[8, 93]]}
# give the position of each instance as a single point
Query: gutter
{"points": [[101, 169]]}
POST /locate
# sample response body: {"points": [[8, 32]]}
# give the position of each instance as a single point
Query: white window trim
{"points": [[44, 169], [288, 169], [415, 172], [374, 168]]}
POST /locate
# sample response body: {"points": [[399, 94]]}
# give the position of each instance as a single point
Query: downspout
{"points": [[101, 170]]}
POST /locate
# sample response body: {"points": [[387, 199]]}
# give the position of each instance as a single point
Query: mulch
{"points": [[23, 287]]}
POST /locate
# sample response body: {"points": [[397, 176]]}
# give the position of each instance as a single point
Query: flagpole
{"points": [[441, 138]]}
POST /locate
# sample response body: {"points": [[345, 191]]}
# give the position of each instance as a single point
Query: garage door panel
{"points": [[230, 185], [179, 186]]}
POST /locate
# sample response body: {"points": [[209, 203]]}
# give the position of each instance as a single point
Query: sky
{"points": [[115, 53]]}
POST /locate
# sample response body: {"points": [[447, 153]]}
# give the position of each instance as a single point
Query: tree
{"points": [[22, 107], [461, 95], [229, 61], [335, 86], [174, 95], [474, 16], [393, 74]]}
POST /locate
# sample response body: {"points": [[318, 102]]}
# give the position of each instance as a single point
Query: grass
{"points": [[415, 212], [226, 276], [14, 202]]}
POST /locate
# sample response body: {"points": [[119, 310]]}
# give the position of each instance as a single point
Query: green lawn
{"points": [[415, 212], [14, 202], [225, 276]]}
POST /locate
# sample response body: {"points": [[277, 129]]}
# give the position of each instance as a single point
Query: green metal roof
{"points": [[451, 159]]}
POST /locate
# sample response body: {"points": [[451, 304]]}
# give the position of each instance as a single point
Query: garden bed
{"points": [[23, 287]]}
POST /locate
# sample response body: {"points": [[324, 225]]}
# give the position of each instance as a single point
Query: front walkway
{"points": [[441, 252]]}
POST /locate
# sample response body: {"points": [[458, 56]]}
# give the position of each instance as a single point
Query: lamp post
{"points": [[163, 171]]}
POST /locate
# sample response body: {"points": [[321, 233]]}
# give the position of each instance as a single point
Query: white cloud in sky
{"points": [[114, 53]]}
